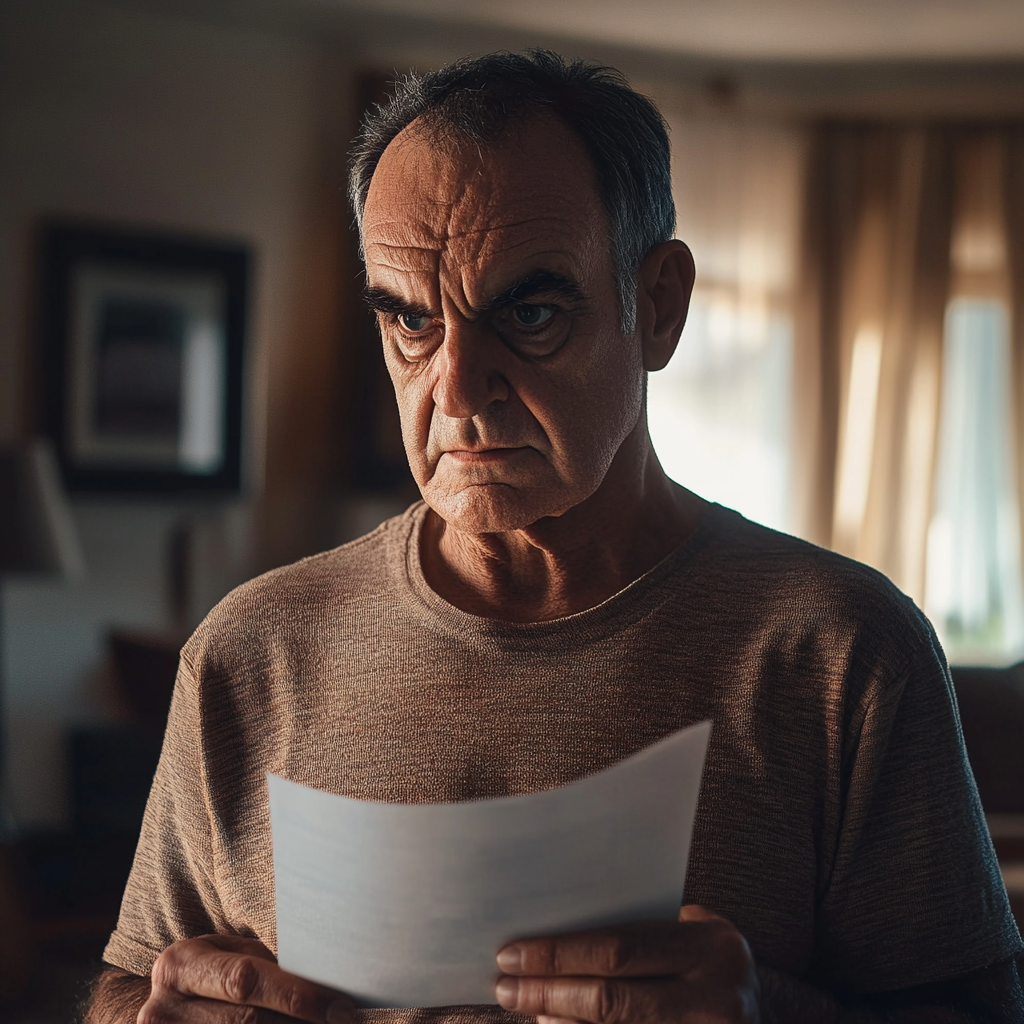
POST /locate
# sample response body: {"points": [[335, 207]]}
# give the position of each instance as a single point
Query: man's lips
{"points": [[469, 457]]}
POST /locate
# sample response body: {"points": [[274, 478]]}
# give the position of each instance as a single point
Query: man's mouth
{"points": [[477, 456]]}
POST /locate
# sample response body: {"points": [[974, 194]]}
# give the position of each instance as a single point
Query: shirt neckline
{"points": [[623, 608]]}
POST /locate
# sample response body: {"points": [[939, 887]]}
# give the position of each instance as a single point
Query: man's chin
{"points": [[490, 508]]}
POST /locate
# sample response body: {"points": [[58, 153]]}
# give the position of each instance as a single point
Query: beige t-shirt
{"points": [[838, 825]]}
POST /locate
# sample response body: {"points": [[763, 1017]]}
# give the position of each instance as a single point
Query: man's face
{"points": [[491, 273]]}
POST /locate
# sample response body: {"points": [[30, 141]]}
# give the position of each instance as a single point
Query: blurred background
{"points": [[191, 392]]}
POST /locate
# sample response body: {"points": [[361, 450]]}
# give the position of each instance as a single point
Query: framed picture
{"points": [[144, 338]]}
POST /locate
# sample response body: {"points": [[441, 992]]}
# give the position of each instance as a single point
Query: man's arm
{"points": [[211, 978]]}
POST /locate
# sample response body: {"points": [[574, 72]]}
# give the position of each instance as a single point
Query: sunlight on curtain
{"points": [[720, 412], [854, 469], [973, 592]]}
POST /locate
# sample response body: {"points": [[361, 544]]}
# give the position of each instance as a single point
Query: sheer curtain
{"points": [[909, 403], [852, 370], [875, 279], [973, 591], [720, 413]]}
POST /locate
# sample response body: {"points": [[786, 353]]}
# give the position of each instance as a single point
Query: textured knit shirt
{"points": [[838, 825]]}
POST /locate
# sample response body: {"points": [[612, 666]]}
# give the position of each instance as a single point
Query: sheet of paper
{"points": [[407, 905]]}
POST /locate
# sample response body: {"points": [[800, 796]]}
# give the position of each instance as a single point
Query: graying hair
{"points": [[478, 99]]}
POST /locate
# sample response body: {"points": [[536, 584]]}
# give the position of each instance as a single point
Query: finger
{"points": [[695, 912], [643, 950], [201, 969], [598, 1000], [174, 1009]]}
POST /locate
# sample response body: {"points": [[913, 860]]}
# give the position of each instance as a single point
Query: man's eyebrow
{"points": [[540, 283], [380, 300]]}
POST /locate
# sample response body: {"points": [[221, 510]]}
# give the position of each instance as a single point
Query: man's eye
{"points": [[412, 323], [528, 315]]}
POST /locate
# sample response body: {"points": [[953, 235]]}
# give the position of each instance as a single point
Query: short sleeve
{"points": [[915, 894], [171, 893]]}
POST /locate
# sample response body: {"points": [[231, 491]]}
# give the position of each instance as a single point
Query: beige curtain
{"points": [[874, 286], [1013, 198]]}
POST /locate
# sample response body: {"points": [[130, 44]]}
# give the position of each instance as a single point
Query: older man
{"points": [[555, 604]]}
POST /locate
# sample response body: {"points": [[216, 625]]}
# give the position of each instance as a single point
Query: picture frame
{"points": [[144, 342]]}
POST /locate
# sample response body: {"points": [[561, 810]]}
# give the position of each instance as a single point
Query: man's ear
{"points": [[664, 284]]}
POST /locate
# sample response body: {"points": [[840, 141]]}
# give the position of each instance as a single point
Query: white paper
{"points": [[407, 905]]}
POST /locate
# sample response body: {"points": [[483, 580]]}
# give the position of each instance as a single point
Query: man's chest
{"points": [[476, 723]]}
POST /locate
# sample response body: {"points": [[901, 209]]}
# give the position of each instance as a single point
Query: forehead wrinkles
{"points": [[481, 263], [473, 215], [470, 261]]}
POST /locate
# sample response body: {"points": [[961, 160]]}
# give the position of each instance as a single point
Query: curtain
{"points": [[874, 285], [1013, 200], [973, 590], [910, 368], [852, 370]]}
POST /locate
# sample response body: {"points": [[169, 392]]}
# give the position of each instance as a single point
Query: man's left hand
{"points": [[696, 970]]}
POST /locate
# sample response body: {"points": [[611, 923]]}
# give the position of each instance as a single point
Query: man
{"points": [[554, 605]]}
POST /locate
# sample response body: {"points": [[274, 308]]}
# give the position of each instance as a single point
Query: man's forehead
{"points": [[531, 195]]}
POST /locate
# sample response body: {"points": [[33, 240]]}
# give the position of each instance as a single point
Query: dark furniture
{"points": [[992, 713]]}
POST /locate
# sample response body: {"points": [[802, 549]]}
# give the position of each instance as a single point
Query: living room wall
{"points": [[128, 116]]}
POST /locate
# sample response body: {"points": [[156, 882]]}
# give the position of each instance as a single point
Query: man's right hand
{"points": [[226, 979]]}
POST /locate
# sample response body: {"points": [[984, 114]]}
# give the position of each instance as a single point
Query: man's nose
{"points": [[469, 378]]}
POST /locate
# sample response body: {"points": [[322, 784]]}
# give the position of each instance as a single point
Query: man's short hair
{"points": [[478, 99]]}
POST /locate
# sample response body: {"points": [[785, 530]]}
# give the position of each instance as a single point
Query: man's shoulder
{"points": [[291, 599], [344, 570], [793, 581]]}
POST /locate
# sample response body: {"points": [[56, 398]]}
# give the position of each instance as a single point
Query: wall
{"points": [[130, 116]]}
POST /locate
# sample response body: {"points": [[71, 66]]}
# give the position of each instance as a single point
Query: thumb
{"points": [[694, 912]]}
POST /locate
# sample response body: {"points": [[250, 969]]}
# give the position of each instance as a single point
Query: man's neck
{"points": [[565, 564]]}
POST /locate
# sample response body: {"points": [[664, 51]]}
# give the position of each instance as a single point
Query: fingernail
{"points": [[510, 959], [339, 1012], [507, 991]]}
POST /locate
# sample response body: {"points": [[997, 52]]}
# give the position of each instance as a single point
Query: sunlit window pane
{"points": [[973, 592], [719, 413]]}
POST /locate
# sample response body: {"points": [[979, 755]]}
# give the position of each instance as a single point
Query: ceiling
{"points": [[790, 30]]}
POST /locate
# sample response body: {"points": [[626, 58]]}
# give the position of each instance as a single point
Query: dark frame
{"points": [[180, 269]]}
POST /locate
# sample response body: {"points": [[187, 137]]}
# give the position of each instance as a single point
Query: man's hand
{"points": [[697, 970], [225, 978]]}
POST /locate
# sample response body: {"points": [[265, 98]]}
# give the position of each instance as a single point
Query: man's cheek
{"points": [[422, 466], [415, 417]]}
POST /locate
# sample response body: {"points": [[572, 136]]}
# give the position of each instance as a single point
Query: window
{"points": [[720, 411], [973, 582], [973, 593]]}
